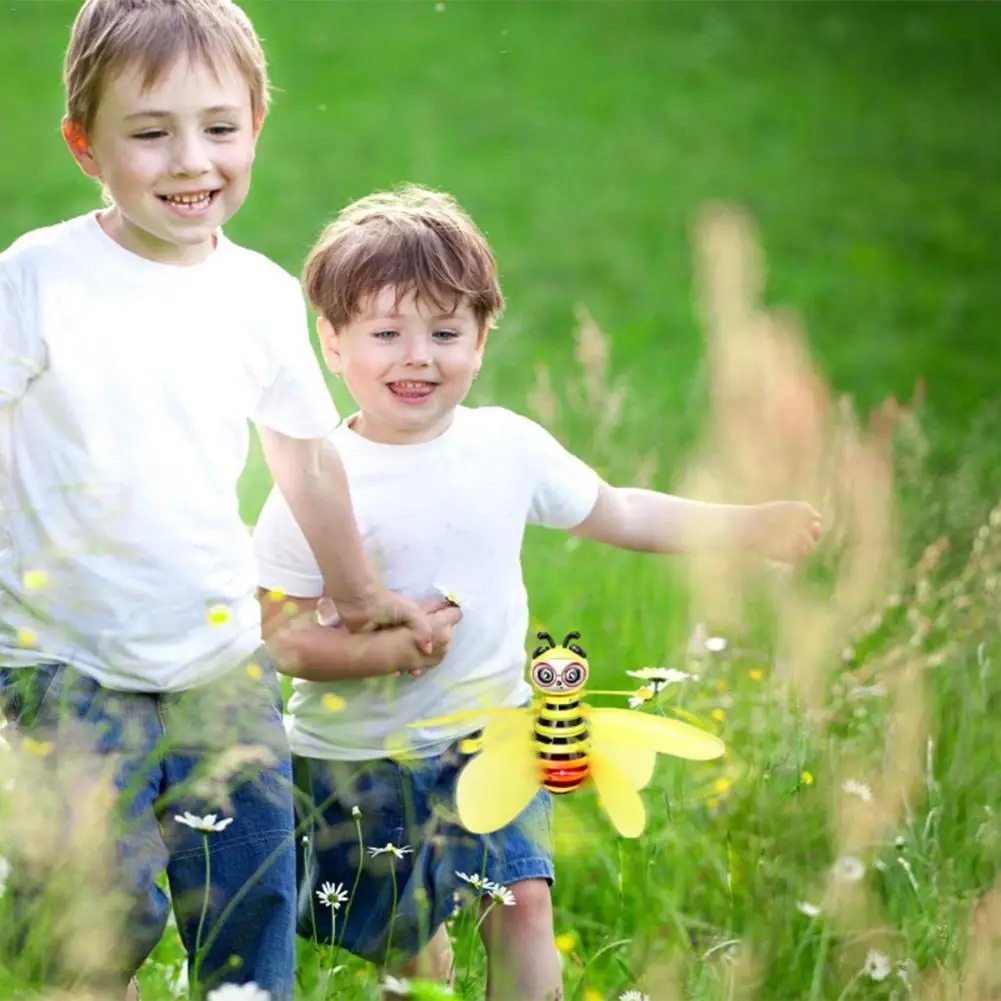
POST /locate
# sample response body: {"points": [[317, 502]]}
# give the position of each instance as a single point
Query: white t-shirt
{"points": [[448, 514], [125, 390]]}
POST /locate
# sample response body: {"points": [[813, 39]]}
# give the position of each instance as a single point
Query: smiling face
{"points": [[175, 157], [407, 364]]}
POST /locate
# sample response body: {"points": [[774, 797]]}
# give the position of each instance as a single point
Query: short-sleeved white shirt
{"points": [[126, 386], [448, 514]]}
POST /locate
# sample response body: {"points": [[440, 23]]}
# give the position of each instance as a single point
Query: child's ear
{"points": [[330, 344], [79, 148], [259, 123]]}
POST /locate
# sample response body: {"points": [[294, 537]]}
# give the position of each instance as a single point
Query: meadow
{"points": [[848, 845]]}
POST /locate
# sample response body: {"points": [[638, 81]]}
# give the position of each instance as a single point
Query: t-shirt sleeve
{"points": [[22, 352], [564, 488], [285, 561], [295, 400]]}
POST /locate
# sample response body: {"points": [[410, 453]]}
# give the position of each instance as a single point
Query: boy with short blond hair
{"points": [[135, 343], [406, 290]]}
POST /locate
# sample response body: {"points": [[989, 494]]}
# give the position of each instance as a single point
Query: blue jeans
{"points": [[219, 748], [399, 902]]}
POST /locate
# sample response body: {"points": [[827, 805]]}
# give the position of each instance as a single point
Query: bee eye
{"points": [[571, 675], [544, 675]]}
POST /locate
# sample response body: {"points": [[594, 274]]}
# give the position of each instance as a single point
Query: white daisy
{"points": [[204, 825], [848, 869], [392, 985], [391, 849], [868, 691], [633, 996], [356, 811], [239, 992], [332, 895], [805, 907], [716, 644], [502, 895], [876, 966], [855, 788], [476, 881]]}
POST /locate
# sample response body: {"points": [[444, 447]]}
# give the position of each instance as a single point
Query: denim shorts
{"points": [[397, 900], [219, 748]]}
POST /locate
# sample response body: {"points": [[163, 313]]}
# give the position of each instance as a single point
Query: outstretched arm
{"points": [[652, 522]]}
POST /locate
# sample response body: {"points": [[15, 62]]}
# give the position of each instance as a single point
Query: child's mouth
{"points": [[411, 391], [190, 204]]}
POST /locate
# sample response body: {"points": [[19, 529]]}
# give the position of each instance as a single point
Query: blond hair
{"points": [[413, 239], [110, 35]]}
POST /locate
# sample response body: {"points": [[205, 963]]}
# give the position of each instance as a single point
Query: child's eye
{"points": [[221, 130], [385, 335], [445, 335], [147, 134]]}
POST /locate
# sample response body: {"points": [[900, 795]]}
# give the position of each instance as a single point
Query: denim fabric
{"points": [[219, 748], [399, 902]]}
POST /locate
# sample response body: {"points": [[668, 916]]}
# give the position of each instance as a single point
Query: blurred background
{"points": [[583, 137]]}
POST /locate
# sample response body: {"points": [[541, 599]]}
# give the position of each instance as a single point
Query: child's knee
{"points": [[531, 915]]}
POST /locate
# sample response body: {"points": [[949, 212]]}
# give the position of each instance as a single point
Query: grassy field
{"points": [[585, 138]]}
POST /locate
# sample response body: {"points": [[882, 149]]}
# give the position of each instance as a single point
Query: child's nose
{"points": [[190, 157], [418, 353]]}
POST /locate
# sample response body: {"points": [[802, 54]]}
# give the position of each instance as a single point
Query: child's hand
{"points": [[442, 616], [786, 531], [385, 609]]}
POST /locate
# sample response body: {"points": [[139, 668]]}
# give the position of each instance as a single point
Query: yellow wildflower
{"points": [[255, 672], [722, 785], [719, 715], [755, 674], [27, 637], [806, 778], [566, 941], [333, 703], [34, 580], [219, 615], [39, 747]]}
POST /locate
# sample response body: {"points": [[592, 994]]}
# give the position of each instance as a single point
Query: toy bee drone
{"points": [[559, 742]]}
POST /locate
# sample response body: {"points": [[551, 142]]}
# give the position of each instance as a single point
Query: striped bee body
{"points": [[562, 743]]}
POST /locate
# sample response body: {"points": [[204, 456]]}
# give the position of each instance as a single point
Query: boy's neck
{"points": [[142, 244], [381, 434]]}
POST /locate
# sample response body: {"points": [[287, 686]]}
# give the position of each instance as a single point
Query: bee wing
{"points": [[500, 781], [618, 795], [635, 763], [631, 729]]}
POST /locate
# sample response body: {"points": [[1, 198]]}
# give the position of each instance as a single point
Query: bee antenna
{"points": [[548, 639], [570, 636]]}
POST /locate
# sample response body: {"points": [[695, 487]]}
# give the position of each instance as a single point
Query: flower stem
{"points": [[201, 920]]}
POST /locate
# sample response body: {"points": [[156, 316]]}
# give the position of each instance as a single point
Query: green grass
{"points": [[584, 138]]}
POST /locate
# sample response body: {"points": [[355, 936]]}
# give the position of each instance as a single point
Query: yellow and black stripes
{"points": [[562, 743]]}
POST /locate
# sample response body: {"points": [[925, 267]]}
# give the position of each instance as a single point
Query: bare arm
{"points": [[304, 649], [310, 475], [652, 522]]}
